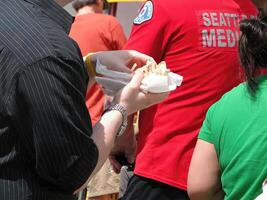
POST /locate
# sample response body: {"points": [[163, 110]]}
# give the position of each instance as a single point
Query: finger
{"points": [[115, 164], [143, 57], [140, 59], [137, 79], [115, 167]]}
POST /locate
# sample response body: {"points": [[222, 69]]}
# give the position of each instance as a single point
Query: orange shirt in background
{"points": [[97, 32]]}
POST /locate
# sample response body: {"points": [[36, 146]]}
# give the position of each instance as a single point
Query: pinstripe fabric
{"points": [[45, 147]]}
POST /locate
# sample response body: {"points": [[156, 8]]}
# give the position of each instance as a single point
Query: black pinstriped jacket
{"points": [[45, 147]]}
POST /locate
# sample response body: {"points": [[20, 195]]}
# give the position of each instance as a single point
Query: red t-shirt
{"points": [[97, 32], [198, 40]]}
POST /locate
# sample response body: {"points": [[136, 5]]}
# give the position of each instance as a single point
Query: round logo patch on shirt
{"points": [[145, 13]]}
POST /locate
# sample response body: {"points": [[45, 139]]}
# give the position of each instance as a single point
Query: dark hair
{"points": [[253, 49], [78, 4]]}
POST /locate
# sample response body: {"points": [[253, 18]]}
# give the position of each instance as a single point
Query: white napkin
{"points": [[113, 81], [263, 195]]}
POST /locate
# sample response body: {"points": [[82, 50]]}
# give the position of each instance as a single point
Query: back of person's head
{"points": [[253, 48], [78, 4]]}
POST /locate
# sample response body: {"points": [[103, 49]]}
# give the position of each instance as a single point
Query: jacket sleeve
{"points": [[52, 92]]}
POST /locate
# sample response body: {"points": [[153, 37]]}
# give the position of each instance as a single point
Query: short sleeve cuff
{"points": [[205, 136], [206, 132]]}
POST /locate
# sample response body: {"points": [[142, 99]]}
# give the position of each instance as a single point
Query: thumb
{"points": [[137, 79]]}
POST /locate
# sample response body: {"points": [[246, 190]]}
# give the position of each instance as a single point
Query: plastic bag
{"points": [[113, 81]]}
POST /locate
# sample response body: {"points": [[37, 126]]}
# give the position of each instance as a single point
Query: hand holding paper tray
{"points": [[157, 78]]}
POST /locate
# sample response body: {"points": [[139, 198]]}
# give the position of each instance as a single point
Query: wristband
{"points": [[89, 66], [122, 110]]}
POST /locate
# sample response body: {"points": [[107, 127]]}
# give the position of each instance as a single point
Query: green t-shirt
{"points": [[237, 126]]}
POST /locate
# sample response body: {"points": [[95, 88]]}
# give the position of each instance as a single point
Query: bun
{"points": [[153, 68]]}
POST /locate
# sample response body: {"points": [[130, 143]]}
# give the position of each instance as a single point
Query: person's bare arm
{"points": [[125, 145], [104, 133], [204, 173]]}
